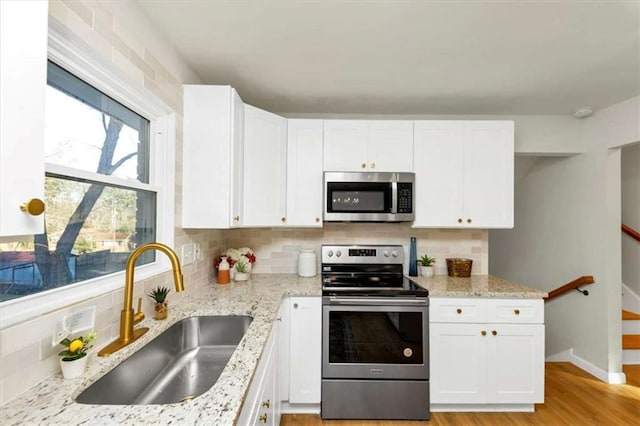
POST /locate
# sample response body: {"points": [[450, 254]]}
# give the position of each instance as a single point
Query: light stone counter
{"points": [[53, 400], [476, 286]]}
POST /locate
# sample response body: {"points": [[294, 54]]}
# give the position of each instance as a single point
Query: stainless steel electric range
{"points": [[375, 336]]}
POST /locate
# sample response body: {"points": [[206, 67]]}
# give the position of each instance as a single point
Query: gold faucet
{"points": [[127, 318]]}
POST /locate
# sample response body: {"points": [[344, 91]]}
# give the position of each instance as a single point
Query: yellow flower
{"points": [[76, 345]]}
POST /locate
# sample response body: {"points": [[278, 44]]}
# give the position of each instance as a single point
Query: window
{"points": [[100, 201]]}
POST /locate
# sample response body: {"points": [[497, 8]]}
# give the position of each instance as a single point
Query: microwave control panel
{"points": [[405, 199]]}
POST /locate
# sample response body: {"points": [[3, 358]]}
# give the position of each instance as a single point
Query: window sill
{"points": [[28, 307]]}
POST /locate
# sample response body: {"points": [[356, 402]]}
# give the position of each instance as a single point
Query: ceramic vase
{"points": [[160, 311], [73, 369], [426, 271], [241, 276]]}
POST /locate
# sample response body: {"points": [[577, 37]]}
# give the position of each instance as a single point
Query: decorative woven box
{"points": [[457, 267]]}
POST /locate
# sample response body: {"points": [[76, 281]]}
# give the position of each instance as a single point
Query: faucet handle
{"points": [[139, 316]]}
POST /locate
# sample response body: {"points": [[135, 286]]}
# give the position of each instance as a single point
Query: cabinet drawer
{"points": [[516, 311], [457, 310]]}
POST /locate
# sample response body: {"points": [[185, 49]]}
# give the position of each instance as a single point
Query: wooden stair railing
{"points": [[573, 285], [631, 232]]}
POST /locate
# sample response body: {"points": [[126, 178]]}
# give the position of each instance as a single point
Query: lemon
{"points": [[76, 345]]}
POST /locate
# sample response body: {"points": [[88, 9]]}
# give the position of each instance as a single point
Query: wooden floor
{"points": [[572, 397]]}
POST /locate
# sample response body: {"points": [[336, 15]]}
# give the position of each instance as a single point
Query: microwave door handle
{"points": [[394, 197]]}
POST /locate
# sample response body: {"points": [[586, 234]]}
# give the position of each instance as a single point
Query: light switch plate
{"points": [[74, 323], [197, 252], [187, 254]]}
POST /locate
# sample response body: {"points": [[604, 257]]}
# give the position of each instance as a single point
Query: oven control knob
{"points": [[386, 253], [330, 254], [338, 253], [394, 253]]}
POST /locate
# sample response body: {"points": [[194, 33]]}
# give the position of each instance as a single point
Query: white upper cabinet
{"points": [[304, 173], [23, 80], [464, 174], [264, 169], [212, 157], [368, 145]]}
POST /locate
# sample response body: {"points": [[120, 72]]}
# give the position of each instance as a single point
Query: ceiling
{"points": [[410, 57]]}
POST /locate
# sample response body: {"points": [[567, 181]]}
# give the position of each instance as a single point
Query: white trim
{"points": [[631, 357], [630, 300], [465, 408], [80, 60], [287, 408], [569, 356], [83, 62], [99, 178]]}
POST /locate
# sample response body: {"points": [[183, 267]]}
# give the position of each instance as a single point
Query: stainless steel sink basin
{"points": [[181, 363]]}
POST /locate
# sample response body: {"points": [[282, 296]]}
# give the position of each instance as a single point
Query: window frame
{"points": [[81, 61]]}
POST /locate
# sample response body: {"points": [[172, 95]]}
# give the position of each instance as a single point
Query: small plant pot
{"points": [[160, 311], [73, 369], [426, 271], [241, 276]]}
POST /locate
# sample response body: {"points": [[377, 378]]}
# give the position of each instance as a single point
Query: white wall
{"points": [[567, 224], [631, 216]]}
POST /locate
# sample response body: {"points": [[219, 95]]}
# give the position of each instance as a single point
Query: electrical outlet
{"points": [[187, 254], [197, 252]]}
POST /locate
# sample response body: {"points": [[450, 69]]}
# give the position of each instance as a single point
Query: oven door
{"points": [[375, 338]]}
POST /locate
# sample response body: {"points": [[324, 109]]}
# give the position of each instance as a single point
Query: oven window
{"points": [[359, 197], [375, 337]]}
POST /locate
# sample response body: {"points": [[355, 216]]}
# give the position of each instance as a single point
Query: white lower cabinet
{"points": [[262, 404], [300, 356], [493, 357], [305, 350]]}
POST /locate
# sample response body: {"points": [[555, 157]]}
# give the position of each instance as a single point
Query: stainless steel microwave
{"points": [[368, 197]]}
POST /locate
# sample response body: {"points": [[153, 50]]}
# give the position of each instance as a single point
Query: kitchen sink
{"points": [[181, 363]]}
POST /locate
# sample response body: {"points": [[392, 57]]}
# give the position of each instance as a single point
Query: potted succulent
{"points": [[159, 295], [73, 359], [426, 265], [242, 271]]}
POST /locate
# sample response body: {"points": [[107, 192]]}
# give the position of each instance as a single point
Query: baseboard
{"points": [[605, 376], [630, 300], [465, 408], [287, 408]]}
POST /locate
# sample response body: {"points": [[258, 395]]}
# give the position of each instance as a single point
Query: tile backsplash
{"points": [[277, 249]]}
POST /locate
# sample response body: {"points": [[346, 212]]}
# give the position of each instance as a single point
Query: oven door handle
{"points": [[390, 301]]}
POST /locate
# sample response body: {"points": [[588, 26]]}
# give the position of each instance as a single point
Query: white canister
{"points": [[307, 263]]}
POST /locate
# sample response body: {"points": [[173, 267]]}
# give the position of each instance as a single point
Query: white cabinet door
{"points": [[264, 168], [390, 146], [304, 173], [305, 356], [345, 145], [23, 80], [515, 355], [438, 157], [488, 174], [368, 145], [464, 174], [261, 405], [458, 363], [212, 154]]}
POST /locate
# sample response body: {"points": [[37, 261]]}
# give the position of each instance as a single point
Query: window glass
{"points": [[91, 226]]}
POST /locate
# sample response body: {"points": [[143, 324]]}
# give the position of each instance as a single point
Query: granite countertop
{"points": [[476, 286], [53, 400]]}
